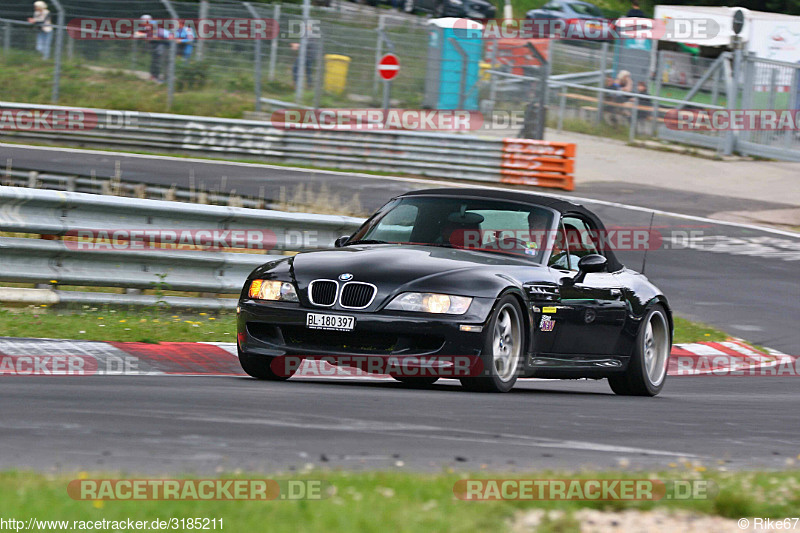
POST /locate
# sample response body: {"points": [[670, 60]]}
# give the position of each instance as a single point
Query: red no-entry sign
{"points": [[389, 67]]}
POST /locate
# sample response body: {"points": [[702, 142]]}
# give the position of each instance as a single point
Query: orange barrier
{"points": [[514, 52], [539, 163]]}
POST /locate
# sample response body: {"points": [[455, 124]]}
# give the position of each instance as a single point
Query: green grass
{"points": [[161, 325], [687, 331], [118, 325], [397, 500]]}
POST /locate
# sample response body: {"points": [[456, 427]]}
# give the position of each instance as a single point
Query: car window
{"points": [[575, 239], [493, 226], [580, 236], [559, 255], [553, 6], [397, 225]]}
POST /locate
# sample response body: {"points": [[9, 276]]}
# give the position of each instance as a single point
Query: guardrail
{"points": [[116, 186], [436, 155], [74, 223]]}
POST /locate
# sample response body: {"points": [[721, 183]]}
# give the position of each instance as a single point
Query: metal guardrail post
{"points": [[59, 49], [173, 48], [715, 88], [748, 86], [202, 13], [273, 51], [657, 90], [134, 50], [301, 59], [634, 116], [602, 83], [256, 59], [544, 75], [562, 104], [320, 71], [378, 52], [728, 140], [7, 38]]}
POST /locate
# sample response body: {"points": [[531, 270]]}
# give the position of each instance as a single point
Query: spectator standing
{"points": [[185, 38], [158, 39], [624, 83], [644, 100], [635, 11], [42, 21]]}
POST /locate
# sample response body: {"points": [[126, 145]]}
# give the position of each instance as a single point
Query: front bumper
{"points": [[273, 329]]}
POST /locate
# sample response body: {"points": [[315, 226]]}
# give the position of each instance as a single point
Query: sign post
{"points": [[388, 68]]}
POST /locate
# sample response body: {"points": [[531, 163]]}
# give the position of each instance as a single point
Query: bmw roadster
{"points": [[520, 283]]}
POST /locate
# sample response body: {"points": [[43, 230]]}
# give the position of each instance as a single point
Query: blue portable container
{"points": [[443, 80]]}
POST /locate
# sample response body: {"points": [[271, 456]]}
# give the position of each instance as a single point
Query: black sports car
{"points": [[518, 283]]}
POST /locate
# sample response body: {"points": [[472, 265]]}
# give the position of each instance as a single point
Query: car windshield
{"points": [[486, 225], [587, 9]]}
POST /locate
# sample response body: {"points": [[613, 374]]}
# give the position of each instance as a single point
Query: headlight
{"points": [[429, 302], [283, 291]]}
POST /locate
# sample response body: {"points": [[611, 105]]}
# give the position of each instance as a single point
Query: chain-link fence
{"points": [[347, 38]]}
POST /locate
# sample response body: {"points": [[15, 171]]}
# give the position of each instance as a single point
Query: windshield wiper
{"points": [[366, 241]]}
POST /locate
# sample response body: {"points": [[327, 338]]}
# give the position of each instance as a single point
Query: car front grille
{"points": [[323, 292], [357, 295], [310, 341]]}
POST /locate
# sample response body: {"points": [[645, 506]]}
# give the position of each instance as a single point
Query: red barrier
{"points": [[538, 163]]}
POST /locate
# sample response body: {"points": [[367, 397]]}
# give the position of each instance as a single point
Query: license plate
{"points": [[332, 322]]}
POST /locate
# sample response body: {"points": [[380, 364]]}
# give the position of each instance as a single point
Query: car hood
{"points": [[398, 268]]}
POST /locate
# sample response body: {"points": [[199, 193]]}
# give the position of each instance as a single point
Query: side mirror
{"points": [[588, 264], [338, 243]]}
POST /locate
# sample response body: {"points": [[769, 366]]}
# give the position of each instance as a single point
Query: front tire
{"points": [[261, 368], [503, 350], [647, 369]]}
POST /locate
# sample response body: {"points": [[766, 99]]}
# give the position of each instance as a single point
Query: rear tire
{"points": [[503, 349], [647, 369], [261, 368]]}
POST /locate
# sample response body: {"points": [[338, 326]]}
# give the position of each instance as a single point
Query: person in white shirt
{"points": [[43, 22]]}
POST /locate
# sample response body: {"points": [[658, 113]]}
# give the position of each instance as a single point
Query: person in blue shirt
{"points": [[185, 37]]}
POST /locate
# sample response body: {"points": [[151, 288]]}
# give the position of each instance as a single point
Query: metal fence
{"points": [[62, 258], [360, 34]]}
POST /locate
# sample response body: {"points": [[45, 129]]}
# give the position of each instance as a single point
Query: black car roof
{"points": [[562, 206]]}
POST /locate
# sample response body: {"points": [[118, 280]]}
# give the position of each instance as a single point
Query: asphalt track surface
{"points": [[203, 424], [748, 284], [207, 424]]}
